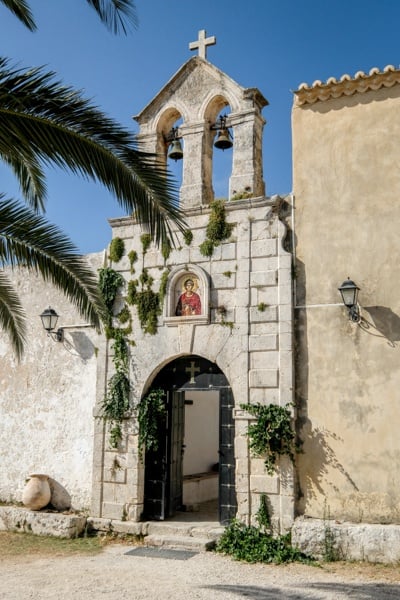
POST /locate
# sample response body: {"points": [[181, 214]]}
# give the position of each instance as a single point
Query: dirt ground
{"points": [[118, 572]]}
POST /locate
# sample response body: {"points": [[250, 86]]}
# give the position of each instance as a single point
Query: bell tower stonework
{"points": [[195, 95]]}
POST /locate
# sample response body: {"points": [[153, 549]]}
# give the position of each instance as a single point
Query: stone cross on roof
{"points": [[202, 43]]}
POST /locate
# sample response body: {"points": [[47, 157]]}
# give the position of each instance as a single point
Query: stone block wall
{"points": [[248, 336]]}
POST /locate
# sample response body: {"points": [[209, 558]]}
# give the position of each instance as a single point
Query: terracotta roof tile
{"points": [[347, 85]]}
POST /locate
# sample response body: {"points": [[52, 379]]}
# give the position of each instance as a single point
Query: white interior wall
{"points": [[201, 432]]}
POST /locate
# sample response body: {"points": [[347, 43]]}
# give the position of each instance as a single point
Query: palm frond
{"points": [[28, 240], [30, 177], [11, 315], [39, 115], [117, 15], [21, 10]]}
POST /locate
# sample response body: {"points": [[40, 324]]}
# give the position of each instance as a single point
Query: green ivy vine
{"points": [[145, 239], [116, 400], [188, 236], [272, 434], [148, 302], [117, 249], [132, 257], [109, 283], [217, 229], [152, 413]]}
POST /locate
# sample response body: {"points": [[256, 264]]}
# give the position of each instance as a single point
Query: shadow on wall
{"points": [[316, 453], [385, 323], [79, 344]]}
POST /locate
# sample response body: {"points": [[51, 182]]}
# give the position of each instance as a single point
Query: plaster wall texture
{"points": [[47, 400], [256, 371], [346, 185]]}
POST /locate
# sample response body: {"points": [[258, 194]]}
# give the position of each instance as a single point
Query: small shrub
{"points": [[117, 248], [132, 256], [248, 543], [166, 250], [272, 434], [145, 239], [188, 236], [206, 248]]}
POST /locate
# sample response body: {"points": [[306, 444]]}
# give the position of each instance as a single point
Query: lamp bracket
{"points": [[354, 314], [57, 336]]}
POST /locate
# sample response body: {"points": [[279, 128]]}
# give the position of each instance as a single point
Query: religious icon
{"points": [[189, 302]]}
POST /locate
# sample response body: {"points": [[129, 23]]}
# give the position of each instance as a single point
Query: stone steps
{"points": [[183, 535], [179, 542]]}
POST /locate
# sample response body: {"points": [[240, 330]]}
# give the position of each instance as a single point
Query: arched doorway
{"points": [[195, 460]]}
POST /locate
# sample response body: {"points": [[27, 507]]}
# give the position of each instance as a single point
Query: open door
{"points": [[227, 492], [163, 468], [176, 419]]}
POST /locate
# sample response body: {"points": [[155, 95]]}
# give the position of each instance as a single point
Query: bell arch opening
{"points": [[170, 143], [219, 146], [193, 468]]}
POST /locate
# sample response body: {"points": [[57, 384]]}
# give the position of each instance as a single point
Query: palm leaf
{"points": [[116, 15], [21, 10], [40, 116], [28, 240], [11, 315], [30, 176]]}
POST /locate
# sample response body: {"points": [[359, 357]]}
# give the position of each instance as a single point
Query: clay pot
{"points": [[36, 492]]}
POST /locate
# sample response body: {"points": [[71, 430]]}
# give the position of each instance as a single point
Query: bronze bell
{"points": [[223, 141], [176, 152]]}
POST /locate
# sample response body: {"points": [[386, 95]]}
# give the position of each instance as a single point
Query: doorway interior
{"points": [[193, 469]]}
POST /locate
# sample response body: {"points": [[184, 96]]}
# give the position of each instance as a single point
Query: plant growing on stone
{"points": [[166, 249], [109, 283], [249, 543], [132, 257], [188, 236], [145, 239], [152, 412], [117, 249], [116, 400], [271, 435], [217, 229]]}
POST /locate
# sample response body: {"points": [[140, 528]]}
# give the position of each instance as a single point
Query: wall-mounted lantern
{"points": [[349, 291], [49, 319]]}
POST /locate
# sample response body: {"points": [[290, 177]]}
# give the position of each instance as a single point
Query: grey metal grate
{"points": [[150, 552]]}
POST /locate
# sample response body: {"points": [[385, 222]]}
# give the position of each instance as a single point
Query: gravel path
{"points": [[114, 574]]}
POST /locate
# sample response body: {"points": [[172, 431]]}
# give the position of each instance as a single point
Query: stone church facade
{"points": [[258, 320]]}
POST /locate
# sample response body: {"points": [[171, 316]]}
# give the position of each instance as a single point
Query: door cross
{"points": [[192, 370], [202, 43]]}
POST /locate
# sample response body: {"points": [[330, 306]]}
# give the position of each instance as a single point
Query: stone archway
{"points": [[195, 460]]}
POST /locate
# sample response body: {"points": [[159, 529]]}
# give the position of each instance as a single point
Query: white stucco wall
{"points": [[47, 400]]}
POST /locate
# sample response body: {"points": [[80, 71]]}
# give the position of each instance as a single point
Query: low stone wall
{"points": [[15, 518], [324, 539]]}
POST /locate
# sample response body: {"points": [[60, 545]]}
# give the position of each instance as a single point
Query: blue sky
{"points": [[273, 45]]}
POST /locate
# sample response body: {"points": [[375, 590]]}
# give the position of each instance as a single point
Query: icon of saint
{"points": [[189, 302]]}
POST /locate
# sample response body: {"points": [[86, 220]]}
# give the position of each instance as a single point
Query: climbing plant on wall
{"points": [[218, 230], [152, 412], [271, 435]]}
